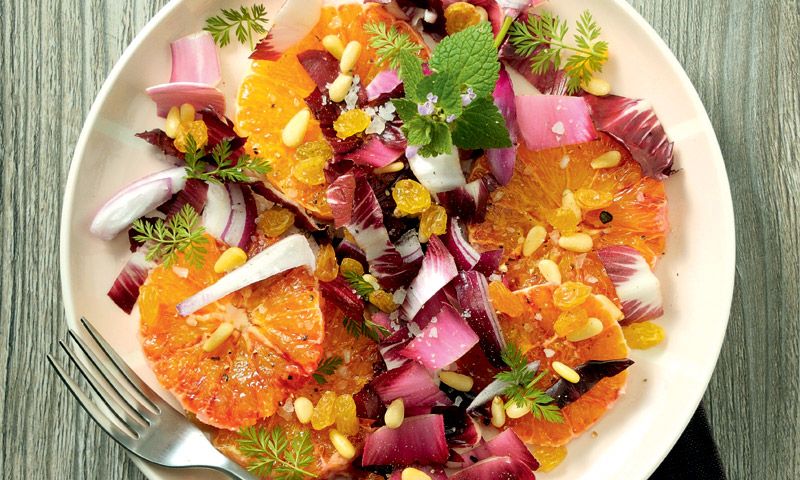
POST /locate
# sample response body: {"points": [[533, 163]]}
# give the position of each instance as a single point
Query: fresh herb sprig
{"points": [[543, 39], [362, 287], [367, 328], [221, 167], [244, 22], [389, 44], [166, 239], [275, 456], [522, 390], [453, 105], [326, 367]]}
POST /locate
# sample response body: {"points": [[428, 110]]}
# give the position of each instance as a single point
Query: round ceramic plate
{"points": [[697, 272]]}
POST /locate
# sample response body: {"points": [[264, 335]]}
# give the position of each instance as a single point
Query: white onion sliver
{"points": [[217, 211], [291, 252], [136, 200], [293, 22], [438, 174]]}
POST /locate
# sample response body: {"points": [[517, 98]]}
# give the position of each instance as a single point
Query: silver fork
{"points": [[140, 420]]}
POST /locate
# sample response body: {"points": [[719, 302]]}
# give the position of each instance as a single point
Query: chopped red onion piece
{"points": [[374, 153], [230, 214], [199, 95], [419, 440], [495, 468], [507, 443], [468, 202], [195, 59], [414, 384], [473, 293], [384, 82], [445, 339], [489, 262], [549, 121], [502, 160]]}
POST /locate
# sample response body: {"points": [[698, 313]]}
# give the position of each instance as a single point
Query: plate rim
{"points": [[728, 247]]}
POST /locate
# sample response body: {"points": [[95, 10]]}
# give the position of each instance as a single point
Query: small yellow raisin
{"points": [[196, 129], [411, 198], [351, 123], [346, 417], [504, 300], [563, 219], [324, 415], [316, 149], [432, 222], [589, 199], [383, 300], [570, 321], [310, 171], [644, 335], [327, 269], [569, 295], [462, 15], [549, 457], [275, 221], [352, 265]]}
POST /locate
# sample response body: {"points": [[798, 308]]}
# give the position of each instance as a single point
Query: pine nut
{"points": [[515, 411], [566, 372], [230, 260], [295, 130], [303, 408], [607, 160], [350, 57], [173, 122], [334, 45], [598, 86], [391, 168], [395, 414], [550, 271], [187, 113], [577, 242], [568, 202], [339, 88], [218, 337], [462, 383], [414, 474], [610, 307], [342, 444], [592, 328], [533, 240], [498, 412]]}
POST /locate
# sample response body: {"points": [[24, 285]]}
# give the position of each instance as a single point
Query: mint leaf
{"points": [[470, 57], [406, 109], [444, 87], [417, 131], [441, 141], [481, 126], [411, 74]]}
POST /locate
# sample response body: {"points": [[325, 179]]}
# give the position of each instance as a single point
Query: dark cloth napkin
{"points": [[695, 456]]}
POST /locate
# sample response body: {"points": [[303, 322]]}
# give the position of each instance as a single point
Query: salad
{"points": [[388, 261]]}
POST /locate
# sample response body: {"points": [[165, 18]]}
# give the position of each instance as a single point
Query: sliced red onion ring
{"points": [[291, 252], [135, 200], [195, 59], [230, 214], [502, 160], [199, 95], [292, 23]]}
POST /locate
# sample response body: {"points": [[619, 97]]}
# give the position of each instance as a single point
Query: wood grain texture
{"points": [[742, 56]]}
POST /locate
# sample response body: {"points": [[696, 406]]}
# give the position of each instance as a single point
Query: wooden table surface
{"points": [[742, 56]]}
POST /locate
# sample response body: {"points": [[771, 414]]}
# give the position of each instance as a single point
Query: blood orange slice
{"points": [[274, 91], [275, 345]]}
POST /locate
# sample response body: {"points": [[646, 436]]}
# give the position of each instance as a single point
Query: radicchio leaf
{"points": [[445, 339], [411, 382], [495, 468], [473, 293], [468, 202], [125, 290], [340, 293], [438, 268], [591, 372], [637, 287], [159, 139], [321, 66], [507, 443], [502, 160]]}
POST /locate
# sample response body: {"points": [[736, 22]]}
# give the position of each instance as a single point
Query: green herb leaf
{"points": [[446, 89], [441, 141], [411, 74], [367, 328], [221, 167], [523, 390], [166, 239], [470, 57], [272, 455], [362, 287], [418, 130], [481, 126], [406, 109], [244, 22], [390, 44], [326, 367], [543, 39]]}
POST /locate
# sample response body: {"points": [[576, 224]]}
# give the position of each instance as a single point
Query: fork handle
{"points": [[232, 469]]}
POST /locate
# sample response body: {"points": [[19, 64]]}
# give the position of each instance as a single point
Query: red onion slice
{"points": [[549, 121], [195, 59], [438, 174], [445, 339], [419, 440], [199, 95]]}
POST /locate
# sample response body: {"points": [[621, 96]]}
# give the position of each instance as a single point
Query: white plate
{"points": [[666, 384]]}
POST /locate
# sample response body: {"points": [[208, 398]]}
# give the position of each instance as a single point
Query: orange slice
{"points": [[275, 345], [274, 91]]}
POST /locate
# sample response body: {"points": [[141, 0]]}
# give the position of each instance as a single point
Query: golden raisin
{"points": [[346, 417], [383, 300], [549, 457], [461, 15], [310, 171], [275, 221], [327, 269], [504, 300], [324, 415], [316, 149], [198, 131], [351, 265], [432, 222], [351, 122], [589, 199], [569, 295], [644, 335], [570, 321], [564, 219], [411, 198]]}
